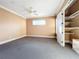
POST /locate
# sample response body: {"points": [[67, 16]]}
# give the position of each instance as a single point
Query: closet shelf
{"points": [[67, 41], [72, 16], [69, 33], [67, 18], [71, 28]]}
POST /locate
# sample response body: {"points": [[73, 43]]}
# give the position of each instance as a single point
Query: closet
{"points": [[72, 25], [67, 23]]}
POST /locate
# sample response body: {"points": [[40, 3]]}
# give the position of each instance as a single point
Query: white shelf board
{"points": [[71, 28], [73, 15], [69, 33]]}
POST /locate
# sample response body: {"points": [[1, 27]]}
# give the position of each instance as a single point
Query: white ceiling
{"points": [[40, 7]]}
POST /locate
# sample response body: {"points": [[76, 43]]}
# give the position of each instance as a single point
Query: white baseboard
{"points": [[9, 40], [41, 36], [76, 50]]}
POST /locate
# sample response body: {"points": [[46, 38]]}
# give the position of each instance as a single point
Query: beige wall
{"points": [[11, 26], [46, 30]]}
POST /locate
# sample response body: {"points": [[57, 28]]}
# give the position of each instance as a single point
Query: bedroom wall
{"points": [[11, 26], [47, 30]]}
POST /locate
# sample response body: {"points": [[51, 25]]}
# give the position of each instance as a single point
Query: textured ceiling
{"points": [[30, 8]]}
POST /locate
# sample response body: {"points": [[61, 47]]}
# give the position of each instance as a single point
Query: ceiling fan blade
{"points": [[29, 10]]}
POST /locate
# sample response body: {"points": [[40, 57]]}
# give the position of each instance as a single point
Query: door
{"points": [[60, 28]]}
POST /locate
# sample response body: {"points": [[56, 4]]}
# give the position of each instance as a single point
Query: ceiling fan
{"points": [[30, 10]]}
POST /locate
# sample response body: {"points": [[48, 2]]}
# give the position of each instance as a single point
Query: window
{"points": [[39, 22]]}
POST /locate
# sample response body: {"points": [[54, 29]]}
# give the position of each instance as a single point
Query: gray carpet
{"points": [[36, 48]]}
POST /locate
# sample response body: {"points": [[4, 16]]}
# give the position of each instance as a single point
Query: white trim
{"points": [[76, 50], [12, 11], [41, 36], [59, 7], [9, 40]]}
